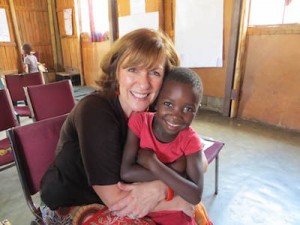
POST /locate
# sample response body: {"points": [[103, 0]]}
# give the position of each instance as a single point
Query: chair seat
{"points": [[8, 157], [4, 143], [22, 110]]}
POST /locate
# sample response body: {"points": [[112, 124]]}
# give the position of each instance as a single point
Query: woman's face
{"points": [[138, 87]]}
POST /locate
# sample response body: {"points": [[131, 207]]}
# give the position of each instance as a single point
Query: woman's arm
{"points": [[189, 189], [142, 199], [130, 170]]}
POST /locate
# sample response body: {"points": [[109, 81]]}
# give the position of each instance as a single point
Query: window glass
{"points": [[95, 19], [4, 30], [292, 12], [273, 12]]}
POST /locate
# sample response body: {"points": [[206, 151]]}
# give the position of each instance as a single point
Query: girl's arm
{"points": [[189, 188], [130, 170]]}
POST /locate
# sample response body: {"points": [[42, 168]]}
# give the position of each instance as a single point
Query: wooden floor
{"points": [[259, 176]]}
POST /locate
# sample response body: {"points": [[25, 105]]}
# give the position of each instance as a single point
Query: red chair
{"points": [[212, 149], [34, 148], [7, 120], [15, 85], [49, 100]]}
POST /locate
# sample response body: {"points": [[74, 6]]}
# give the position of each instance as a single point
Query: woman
{"points": [[89, 153]]}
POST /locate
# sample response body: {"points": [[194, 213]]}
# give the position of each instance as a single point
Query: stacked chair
{"points": [[34, 147], [7, 120], [49, 100], [15, 85]]}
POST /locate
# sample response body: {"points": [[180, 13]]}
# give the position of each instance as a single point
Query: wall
{"points": [[10, 59], [92, 53], [271, 81], [214, 78], [70, 44], [28, 23]]}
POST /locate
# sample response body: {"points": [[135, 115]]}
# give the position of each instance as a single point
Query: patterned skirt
{"points": [[96, 214]]}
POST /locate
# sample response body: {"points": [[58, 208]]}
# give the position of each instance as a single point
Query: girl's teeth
{"points": [[172, 124]]}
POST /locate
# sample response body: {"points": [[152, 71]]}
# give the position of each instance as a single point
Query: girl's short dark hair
{"points": [[186, 76]]}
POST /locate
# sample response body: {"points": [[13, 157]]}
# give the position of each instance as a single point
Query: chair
{"points": [[211, 150], [34, 148], [15, 84], [49, 100], [7, 120]]}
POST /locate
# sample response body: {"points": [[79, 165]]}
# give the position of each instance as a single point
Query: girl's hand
{"points": [[142, 198]]}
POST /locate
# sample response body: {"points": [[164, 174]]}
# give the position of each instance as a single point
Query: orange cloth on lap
{"points": [[201, 216]]}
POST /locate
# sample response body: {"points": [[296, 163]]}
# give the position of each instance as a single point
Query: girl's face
{"points": [[138, 87], [176, 107]]}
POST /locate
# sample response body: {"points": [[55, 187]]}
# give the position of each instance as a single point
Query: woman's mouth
{"points": [[138, 95]]}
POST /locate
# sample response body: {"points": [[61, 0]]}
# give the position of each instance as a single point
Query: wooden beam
{"points": [[234, 39], [59, 58], [240, 59], [52, 31], [16, 28], [113, 20]]}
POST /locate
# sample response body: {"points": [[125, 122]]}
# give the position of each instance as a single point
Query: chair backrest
{"points": [[49, 100], [16, 83], [34, 148], [7, 117]]}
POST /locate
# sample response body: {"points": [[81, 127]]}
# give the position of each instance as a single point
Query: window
{"points": [[4, 30], [94, 19], [274, 12]]}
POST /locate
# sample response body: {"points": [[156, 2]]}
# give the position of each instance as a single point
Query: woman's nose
{"points": [[144, 80]]}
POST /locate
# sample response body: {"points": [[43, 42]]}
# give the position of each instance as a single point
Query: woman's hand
{"points": [[142, 198], [185, 206], [176, 204]]}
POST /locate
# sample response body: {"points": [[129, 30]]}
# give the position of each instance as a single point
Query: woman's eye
{"points": [[132, 69], [155, 73]]}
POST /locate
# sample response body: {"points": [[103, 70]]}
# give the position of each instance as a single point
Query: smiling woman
{"points": [[86, 169]]}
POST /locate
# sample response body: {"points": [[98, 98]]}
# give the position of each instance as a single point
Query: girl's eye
{"points": [[168, 104], [188, 109]]}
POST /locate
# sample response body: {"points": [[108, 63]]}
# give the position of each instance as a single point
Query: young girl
{"points": [[30, 61], [162, 145]]}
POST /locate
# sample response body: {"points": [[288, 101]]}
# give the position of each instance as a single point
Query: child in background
{"points": [[162, 145], [30, 61]]}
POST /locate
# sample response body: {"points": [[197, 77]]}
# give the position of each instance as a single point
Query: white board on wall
{"points": [[136, 21], [199, 32]]}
